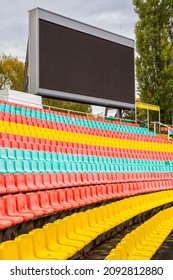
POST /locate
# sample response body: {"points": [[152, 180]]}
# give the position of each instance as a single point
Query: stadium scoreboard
{"points": [[73, 61]]}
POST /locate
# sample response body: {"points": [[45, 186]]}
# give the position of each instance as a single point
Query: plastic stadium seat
{"points": [[54, 181], [53, 201], [46, 181], [71, 232], [89, 196], [38, 181], [79, 179], [10, 183], [11, 209], [61, 195], [50, 231], [20, 182], [66, 180], [26, 247], [76, 196], [40, 249], [5, 220], [3, 189], [22, 207], [9, 250], [43, 198], [33, 204], [62, 237], [83, 196]]}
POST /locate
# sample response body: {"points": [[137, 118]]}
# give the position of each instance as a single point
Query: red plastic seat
{"points": [[59, 179], [89, 196], [33, 204], [53, 200], [94, 193], [61, 195], [20, 182], [10, 183], [5, 221], [84, 177], [2, 184], [72, 179], [53, 180], [66, 180], [11, 209], [29, 181], [38, 181], [84, 197], [70, 198], [46, 181], [79, 179], [22, 207], [43, 198], [76, 196], [105, 192]]}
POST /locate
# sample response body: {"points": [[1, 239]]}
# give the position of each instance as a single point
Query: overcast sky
{"points": [[116, 16]]}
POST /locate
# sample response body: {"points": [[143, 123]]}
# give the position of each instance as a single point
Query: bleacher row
{"points": [[57, 168]]}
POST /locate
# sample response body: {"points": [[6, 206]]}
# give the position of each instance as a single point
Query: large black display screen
{"points": [[74, 62]]}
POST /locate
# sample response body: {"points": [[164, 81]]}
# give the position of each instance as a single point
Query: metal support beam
{"points": [[25, 79]]}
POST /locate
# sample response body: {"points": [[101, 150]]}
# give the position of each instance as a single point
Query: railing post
{"points": [[155, 127]]}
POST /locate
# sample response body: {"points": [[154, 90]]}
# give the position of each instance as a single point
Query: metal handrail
{"points": [[30, 103], [162, 124], [5, 98]]}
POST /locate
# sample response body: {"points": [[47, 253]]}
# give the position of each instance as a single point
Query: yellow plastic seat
{"points": [[40, 249], [62, 237], [9, 250], [81, 225], [52, 244], [71, 232]]}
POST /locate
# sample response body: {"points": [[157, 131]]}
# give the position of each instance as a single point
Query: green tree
{"points": [[154, 46], [68, 105], [11, 72]]}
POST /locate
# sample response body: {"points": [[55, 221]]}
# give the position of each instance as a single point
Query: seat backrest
{"points": [[25, 246], [43, 199], [29, 179], [21, 202], [10, 250], [2, 207], [10, 205], [20, 180], [39, 243], [50, 231], [32, 201]]}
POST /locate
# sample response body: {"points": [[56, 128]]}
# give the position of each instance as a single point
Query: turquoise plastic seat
{"points": [[35, 155], [3, 153], [19, 154], [48, 156], [9, 166], [18, 165], [27, 155], [26, 166], [3, 169], [33, 166]]}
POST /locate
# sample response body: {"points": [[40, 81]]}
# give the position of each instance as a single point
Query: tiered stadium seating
{"points": [[53, 164], [78, 232], [143, 242]]}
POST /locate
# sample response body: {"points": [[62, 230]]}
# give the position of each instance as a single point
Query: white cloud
{"points": [[116, 16]]}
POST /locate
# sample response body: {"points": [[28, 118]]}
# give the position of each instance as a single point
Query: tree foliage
{"points": [[11, 72], [154, 46], [68, 105]]}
